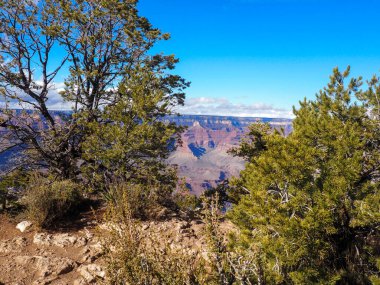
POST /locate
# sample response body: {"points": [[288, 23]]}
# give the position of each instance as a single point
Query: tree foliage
{"points": [[12, 181], [133, 141], [117, 88], [312, 212]]}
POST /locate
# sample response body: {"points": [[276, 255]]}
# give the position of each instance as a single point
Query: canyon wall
{"points": [[203, 158]]}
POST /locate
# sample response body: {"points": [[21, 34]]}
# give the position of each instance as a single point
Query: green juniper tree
{"points": [[311, 203], [133, 141]]}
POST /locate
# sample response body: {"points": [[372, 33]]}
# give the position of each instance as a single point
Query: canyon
{"points": [[203, 159]]}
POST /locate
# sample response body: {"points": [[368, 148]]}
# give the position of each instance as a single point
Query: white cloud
{"points": [[223, 107], [54, 99], [193, 106]]}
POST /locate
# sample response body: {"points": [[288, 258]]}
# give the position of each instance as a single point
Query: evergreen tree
{"points": [[312, 213], [103, 45], [133, 141]]}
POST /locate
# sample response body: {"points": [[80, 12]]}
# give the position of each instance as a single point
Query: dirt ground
{"points": [[73, 253], [57, 258]]}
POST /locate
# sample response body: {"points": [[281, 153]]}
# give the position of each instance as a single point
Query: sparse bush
{"points": [[49, 201], [136, 257], [221, 271], [135, 200], [140, 255], [186, 202]]}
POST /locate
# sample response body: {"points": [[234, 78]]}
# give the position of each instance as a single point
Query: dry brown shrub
{"points": [[135, 257], [142, 200], [48, 201]]}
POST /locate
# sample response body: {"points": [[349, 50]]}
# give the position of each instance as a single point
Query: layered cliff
{"points": [[203, 157]]}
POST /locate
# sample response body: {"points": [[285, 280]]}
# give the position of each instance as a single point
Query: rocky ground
{"points": [[74, 255], [35, 257]]}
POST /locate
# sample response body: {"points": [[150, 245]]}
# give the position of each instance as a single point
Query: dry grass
{"points": [[49, 201]]}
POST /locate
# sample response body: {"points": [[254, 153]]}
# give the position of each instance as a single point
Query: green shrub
{"points": [[48, 201], [309, 202], [3, 199], [15, 180], [187, 202]]}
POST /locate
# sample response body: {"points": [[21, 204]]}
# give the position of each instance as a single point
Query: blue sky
{"points": [[260, 57]]}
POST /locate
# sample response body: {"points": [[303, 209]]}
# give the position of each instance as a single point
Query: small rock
{"points": [[63, 240], [97, 247], [15, 245], [89, 235], [91, 272], [92, 252], [85, 250], [60, 240], [42, 239], [20, 241], [81, 241], [23, 226], [47, 266]]}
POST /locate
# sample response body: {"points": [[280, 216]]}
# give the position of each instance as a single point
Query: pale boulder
{"points": [[23, 226]]}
